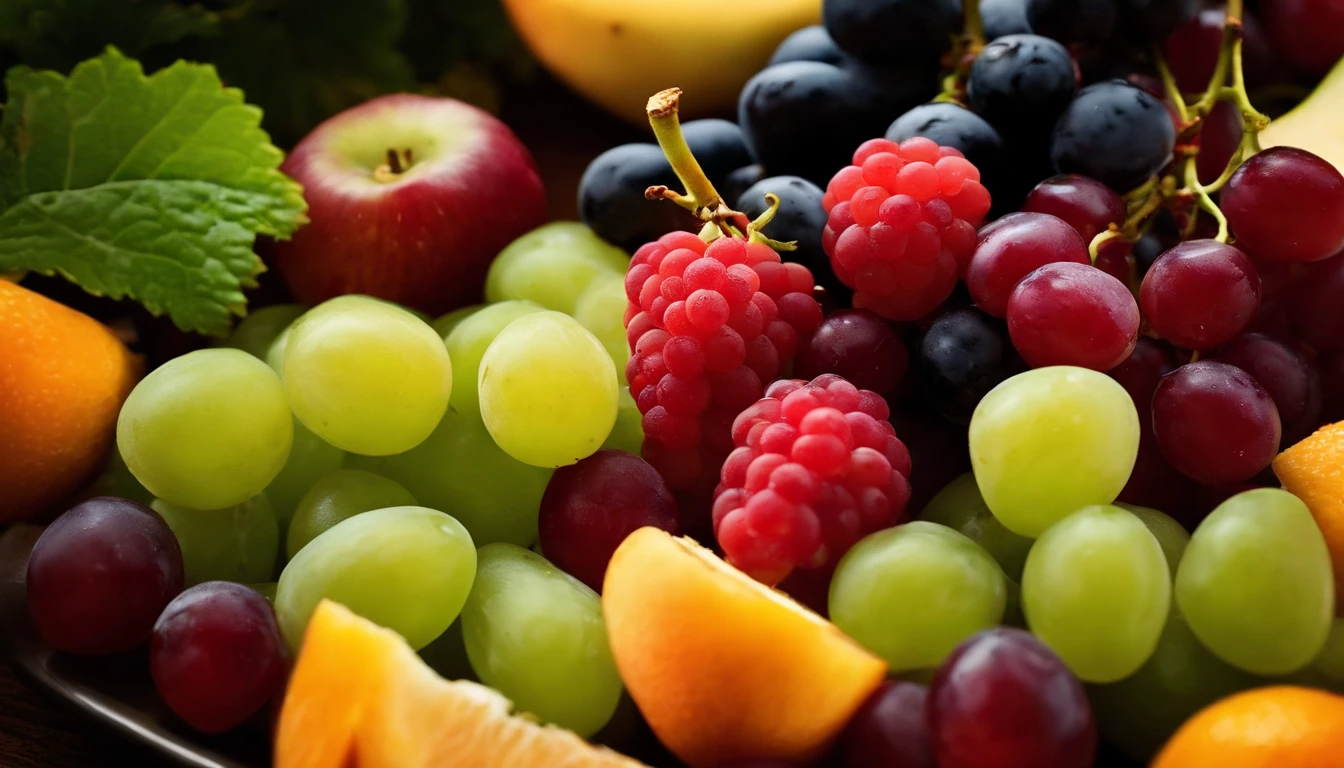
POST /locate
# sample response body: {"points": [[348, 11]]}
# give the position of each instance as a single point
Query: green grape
{"points": [[459, 468], [266, 589], [1139, 713], [552, 265], [255, 334], [536, 634], [406, 568], [447, 655], [366, 376], [601, 309], [275, 354], [1050, 441], [310, 457], [1170, 535], [444, 324], [421, 316], [911, 593], [468, 342], [548, 390], [207, 430], [237, 543], [116, 480], [1255, 584], [1097, 590], [960, 506], [340, 496], [628, 434]]}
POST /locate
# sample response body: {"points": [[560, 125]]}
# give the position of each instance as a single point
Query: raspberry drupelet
{"points": [[902, 224], [816, 467]]}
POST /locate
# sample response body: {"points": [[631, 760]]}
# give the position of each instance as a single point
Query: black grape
{"points": [[1004, 17], [740, 181], [1021, 84], [800, 219], [893, 31], [611, 196], [954, 126], [1152, 20], [964, 354], [1114, 132], [1072, 21], [719, 146], [809, 44]]}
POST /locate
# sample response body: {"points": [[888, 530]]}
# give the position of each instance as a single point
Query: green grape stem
{"points": [[701, 198], [965, 48]]}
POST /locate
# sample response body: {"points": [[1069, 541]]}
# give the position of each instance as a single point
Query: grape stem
{"points": [[701, 198], [965, 47]]}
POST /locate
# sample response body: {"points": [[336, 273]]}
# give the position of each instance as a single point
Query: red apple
{"points": [[409, 198]]}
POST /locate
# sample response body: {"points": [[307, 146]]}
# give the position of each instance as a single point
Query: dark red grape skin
{"points": [[590, 507], [1086, 204], [1140, 373], [1012, 249], [1314, 308], [217, 657], [890, 729], [1286, 204], [1192, 51], [1073, 314], [1155, 484], [1218, 141], [1308, 34], [1215, 423], [1005, 700], [1200, 293], [858, 345], [99, 576], [1289, 378]]}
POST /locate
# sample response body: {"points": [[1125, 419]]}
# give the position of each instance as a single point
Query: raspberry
{"points": [[902, 224], [708, 325], [817, 466]]}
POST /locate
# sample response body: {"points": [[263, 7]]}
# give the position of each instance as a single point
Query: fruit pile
{"points": [[994, 420]]}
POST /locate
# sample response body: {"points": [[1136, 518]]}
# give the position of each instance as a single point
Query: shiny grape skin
{"points": [[216, 656], [1017, 245], [893, 31], [1286, 204], [964, 354], [1004, 17], [1218, 141], [1314, 307], [858, 345], [1021, 83], [1200, 293], [809, 44], [1073, 314], [1215, 423], [800, 220], [1005, 700], [1086, 204], [99, 576], [1289, 378], [890, 729], [1115, 133], [611, 196]]}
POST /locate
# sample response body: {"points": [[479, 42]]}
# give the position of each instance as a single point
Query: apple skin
{"points": [[423, 238]]}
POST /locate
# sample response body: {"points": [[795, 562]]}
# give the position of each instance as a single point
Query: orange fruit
{"points": [[360, 697], [1276, 727], [63, 377], [1313, 471], [724, 668]]}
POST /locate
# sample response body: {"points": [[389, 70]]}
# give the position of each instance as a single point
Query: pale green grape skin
{"points": [[460, 469], [1097, 590], [275, 354], [237, 544], [536, 634], [552, 265], [366, 376], [628, 433], [405, 568], [548, 390], [447, 655], [255, 334], [467, 344], [207, 430], [1170, 535], [1138, 714], [960, 506], [1255, 583], [911, 593], [339, 496], [310, 458], [1050, 441], [601, 309], [444, 324]]}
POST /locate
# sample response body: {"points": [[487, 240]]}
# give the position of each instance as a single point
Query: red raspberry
{"points": [[817, 467], [708, 325], [902, 224]]}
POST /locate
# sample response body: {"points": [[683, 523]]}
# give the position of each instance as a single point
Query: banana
{"points": [[618, 53]]}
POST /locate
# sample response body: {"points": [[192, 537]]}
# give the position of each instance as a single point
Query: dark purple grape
{"points": [[1114, 133], [1289, 378], [100, 575], [858, 345], [1021, 83], [1314, 306], [809, 44], [890, 729], [1200, 294], [893, 31], [1215, 423], [964, 354], [1140, 374], [217, 657], [1286, 204], [1086, 204], [1072, 21]]}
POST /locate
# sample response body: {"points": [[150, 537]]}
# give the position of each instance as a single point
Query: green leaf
{"points": [[57, 34], [152, 188]]}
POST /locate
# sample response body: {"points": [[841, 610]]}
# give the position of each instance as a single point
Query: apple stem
{"points": [[397, 164], [393, 161], [701, 198]]}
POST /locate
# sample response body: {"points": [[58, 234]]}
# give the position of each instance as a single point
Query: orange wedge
{"points": [[361, 698], [724, 668], [1313, 471]]}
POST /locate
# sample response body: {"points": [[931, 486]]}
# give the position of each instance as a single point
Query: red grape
{"points": [[1286, 204], [1215, 423], [1192, 51], [1115, 257], [1154, 483], [857, 345], [590, 507], [1073, 314], [1200, 293], [1086, 204], [1287, 376], [1140, 373], [1308, 34], [216, 655], [1005, 700], [1017, 245], [100, 575], [1217, 141], [890, 729], [1314, 308]]}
